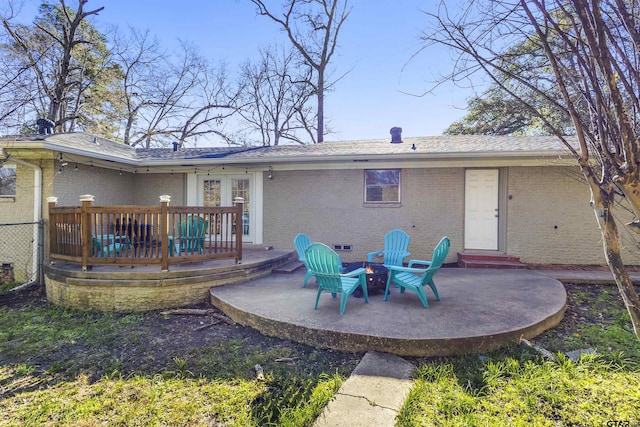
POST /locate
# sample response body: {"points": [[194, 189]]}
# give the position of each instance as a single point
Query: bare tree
{"points": [[590, 54], [275, 94], [60, 68], [313, 27], [49, 52], [214, 101], [168, 96], [14, 83]]}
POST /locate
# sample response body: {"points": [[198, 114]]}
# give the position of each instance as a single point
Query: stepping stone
{"points": [[575, 355]]}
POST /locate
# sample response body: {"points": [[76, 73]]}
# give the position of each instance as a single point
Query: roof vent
{"points": [[45, 126], [396, 135], [175, 146]]}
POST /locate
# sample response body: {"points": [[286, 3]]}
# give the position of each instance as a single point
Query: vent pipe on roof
{"points": [[396, 135], [175, 146], [45, 126]]}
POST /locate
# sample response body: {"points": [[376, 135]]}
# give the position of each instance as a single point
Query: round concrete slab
{"points": [[480, 310]]}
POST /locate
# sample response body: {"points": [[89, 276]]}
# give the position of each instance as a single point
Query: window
{"points": [[382, 186], [7, 180], [212, 193]]}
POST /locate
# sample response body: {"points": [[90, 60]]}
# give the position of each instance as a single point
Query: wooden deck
{"points": [[135, 235]]}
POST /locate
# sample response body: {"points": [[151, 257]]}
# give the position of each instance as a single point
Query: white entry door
{"points": [[481, 209]]}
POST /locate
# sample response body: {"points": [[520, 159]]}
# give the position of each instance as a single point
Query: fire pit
{"points": [[376, 275]]}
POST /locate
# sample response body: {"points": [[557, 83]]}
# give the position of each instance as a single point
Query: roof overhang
{"points": [[41, 147]]}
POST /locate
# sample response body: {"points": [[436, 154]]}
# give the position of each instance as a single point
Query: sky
{"points": [[385, 84]]}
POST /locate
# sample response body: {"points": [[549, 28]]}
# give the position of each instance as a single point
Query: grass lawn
{"points": [[62, 367], [66, 367], [515, 386]]}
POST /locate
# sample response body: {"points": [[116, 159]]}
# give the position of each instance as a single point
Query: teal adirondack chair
{"points": [[325, 265], [415, 279], [302, 242], [396, 245], [192, 230]]}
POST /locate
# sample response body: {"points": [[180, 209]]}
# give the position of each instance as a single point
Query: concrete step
{"points": [[288, 268], [488, 260], [490, 264]]}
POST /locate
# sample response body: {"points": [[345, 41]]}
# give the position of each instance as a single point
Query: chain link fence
{"points": [[21, 252]]}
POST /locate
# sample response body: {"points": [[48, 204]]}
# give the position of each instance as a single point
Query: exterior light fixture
{"points": [[62, 165], [270, 176]]}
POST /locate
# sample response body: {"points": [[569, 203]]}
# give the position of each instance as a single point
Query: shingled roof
{"points": [[412, 147]]}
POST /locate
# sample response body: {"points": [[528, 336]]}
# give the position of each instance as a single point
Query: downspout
{"points": [[37, 205]]}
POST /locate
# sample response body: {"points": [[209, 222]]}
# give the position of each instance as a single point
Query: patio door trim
{"points": [[194, 198]]}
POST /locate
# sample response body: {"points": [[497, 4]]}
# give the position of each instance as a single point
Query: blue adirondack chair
{"points": [[325, 265], [192, 231], [108, 245], [302, 242], [396, 245], [415, 279]]}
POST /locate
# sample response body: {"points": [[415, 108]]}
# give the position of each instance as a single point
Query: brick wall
{"points": [[19, 208], [149, 188], [107, 185], [548, 221], [329, 206], [110, 187]]}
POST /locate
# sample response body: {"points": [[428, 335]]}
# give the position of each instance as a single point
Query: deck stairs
{"points": [[478, 259], [288, 268]]}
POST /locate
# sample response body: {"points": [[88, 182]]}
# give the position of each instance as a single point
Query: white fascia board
{"points": [[503, 158], [90, 154]]}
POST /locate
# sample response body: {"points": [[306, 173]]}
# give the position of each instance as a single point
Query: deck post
{"points": [[239, 204], [164, 232], [52, 201], [87, 241]]}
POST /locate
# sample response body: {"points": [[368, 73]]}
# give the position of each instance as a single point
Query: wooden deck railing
{"points": [[143, 235]]}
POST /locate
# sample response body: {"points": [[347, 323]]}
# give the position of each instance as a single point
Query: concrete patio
{"points": [[480, 310]]}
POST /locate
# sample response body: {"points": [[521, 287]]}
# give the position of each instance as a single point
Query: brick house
{"points": [[521, 196]]}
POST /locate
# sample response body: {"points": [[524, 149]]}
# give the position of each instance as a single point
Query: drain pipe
{"points": [[37, 205]]}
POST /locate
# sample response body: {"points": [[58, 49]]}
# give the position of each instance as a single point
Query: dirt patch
{"points": [[153, 342], [588, 307]]}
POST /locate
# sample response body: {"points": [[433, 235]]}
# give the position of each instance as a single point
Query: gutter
{"points": [[350, 158], [37, 204]]}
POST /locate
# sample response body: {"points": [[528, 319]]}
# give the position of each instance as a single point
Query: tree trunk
{"points": [[320, 94], [602, 204]]}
